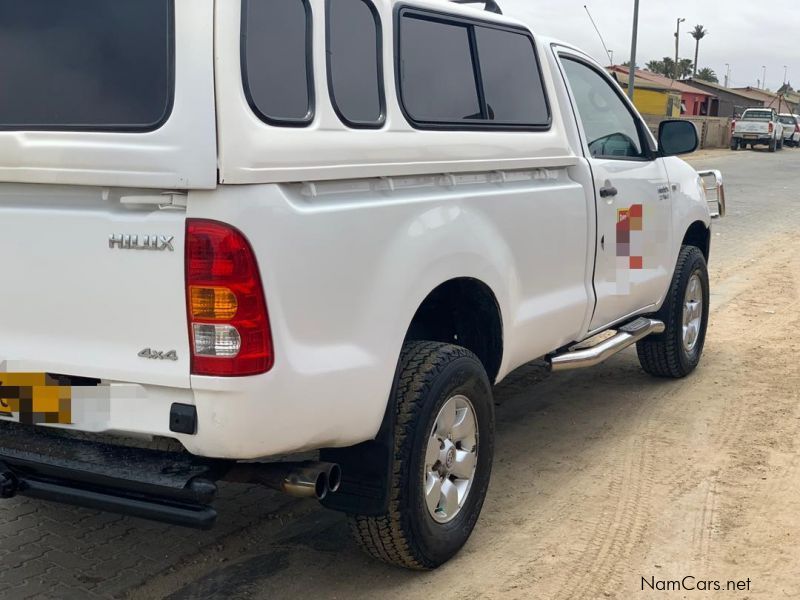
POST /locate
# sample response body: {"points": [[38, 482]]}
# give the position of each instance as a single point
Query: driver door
{"points": [[632, 194]]}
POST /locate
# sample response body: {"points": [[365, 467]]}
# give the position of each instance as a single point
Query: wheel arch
{"points": [[465, 312], [698, 235], [452, 312]]}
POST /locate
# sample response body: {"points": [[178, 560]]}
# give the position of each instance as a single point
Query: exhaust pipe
{"points": [[299, 479]]}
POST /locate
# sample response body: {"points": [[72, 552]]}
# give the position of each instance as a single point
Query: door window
{"points": [[610, 127]]}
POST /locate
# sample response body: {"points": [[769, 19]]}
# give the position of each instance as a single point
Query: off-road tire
{"points": [[429, 374], [664, 355], [773, 145], [734, 146]]}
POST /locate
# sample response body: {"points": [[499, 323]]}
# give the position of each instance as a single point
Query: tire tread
{"points": [[387, 537], [659, 355]]}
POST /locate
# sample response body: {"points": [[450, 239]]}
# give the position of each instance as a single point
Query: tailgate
{"points": [[74, 303], [104, 107], [759, 127]]}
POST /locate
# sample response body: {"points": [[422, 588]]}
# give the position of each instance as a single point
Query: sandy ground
{"points": [[602, 478]]}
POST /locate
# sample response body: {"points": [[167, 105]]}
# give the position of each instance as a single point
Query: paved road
{"points": [[602, 476]]}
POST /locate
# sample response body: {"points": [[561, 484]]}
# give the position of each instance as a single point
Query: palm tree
{"points": [[656, 66], [698, 33], [685, 68], [707, 74]]}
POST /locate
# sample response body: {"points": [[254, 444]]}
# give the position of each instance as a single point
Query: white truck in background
{"points": [[791, 129], [234, 232], [758, 126]]}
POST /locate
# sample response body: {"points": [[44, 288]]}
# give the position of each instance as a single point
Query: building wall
{"points": [[650, 102], [730, 104], [714, 132], [694, 103], [655, 102]]}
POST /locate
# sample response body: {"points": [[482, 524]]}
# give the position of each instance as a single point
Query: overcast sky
{"points": [[745, 33]]}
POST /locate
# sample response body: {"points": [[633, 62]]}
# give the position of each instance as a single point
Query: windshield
{"points": [[788, 120]]}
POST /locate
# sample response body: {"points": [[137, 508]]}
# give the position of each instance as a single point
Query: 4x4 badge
{"points": [[158, 355]]}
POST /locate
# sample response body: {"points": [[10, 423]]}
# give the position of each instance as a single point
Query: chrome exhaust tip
{"points": [[334, 478], [306, 481], [300, 479]]}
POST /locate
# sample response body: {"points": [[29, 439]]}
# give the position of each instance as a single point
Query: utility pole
{"points": [[764, 78], [677, 46], [634, 39], [727, 74], [785, 74]]}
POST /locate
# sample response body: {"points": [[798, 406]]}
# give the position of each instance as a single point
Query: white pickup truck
{"points": [[758, 126], [236, 231]]}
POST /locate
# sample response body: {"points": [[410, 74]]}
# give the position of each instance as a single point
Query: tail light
{"points": [[797, 128], [733, 125], [771, 127], [229, 326]]}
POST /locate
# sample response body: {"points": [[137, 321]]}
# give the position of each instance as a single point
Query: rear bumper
{"points": [[174, 488], [753, 140], [275, 414]]}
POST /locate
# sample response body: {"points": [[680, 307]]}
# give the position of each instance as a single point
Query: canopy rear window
{"points": [[758, 115], [89, 65]]}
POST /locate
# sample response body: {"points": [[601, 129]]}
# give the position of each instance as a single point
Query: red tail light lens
{"points": [[771, 127], [229, 326]]}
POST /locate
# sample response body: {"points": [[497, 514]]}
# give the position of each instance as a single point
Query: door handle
{"points": [[608, 192]]}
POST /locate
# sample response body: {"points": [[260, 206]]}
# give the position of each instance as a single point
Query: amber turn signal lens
{"points": [[213, 303]]}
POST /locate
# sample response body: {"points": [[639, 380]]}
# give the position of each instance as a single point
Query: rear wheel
{"points": [[773, 145], [443, 450], [676, 352]]}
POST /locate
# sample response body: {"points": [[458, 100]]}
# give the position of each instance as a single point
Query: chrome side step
{"points": [[625, 337]]}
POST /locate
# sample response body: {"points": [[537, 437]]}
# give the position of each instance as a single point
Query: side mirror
{"points": [[677, 137]]}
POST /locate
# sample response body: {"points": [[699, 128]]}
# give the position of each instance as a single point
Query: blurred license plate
{"points": [[751, 135], [34, 398]]}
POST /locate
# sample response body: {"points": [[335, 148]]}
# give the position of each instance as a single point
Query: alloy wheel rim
{"points": [[692, 313], [451, 459]]}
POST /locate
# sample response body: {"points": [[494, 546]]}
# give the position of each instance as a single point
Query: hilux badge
{"points": [[141, 242]]}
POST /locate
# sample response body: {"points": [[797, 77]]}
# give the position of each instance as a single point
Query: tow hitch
{"points": [[8, 483]]}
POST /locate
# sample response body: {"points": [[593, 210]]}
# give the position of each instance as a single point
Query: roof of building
{"points": [[640, 83], [722, 88], [769, 98], [665, 82]]}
